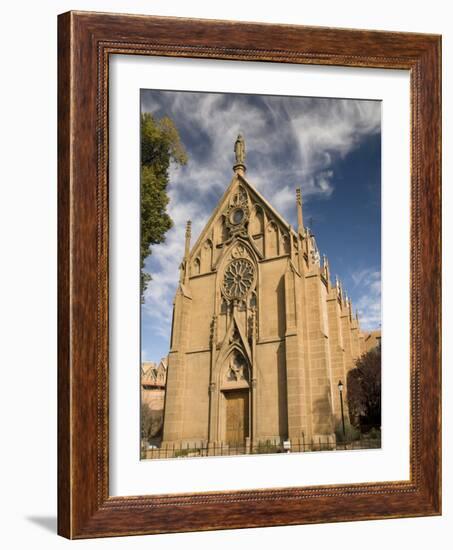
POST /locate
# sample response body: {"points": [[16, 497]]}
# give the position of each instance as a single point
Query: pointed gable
{"points": [[241, 212]]}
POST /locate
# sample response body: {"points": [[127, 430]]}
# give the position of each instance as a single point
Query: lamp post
{"points": [[340, 389]]}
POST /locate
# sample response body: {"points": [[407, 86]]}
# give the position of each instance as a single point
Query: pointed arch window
{"points": [[222, 230], [206, 257], [257, 222], [286, 243], [272, 240], [196, 266]]}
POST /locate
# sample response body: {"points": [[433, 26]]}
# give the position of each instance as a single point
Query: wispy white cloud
{"points": [[368, 305]]}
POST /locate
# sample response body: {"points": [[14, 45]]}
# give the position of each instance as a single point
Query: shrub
{"points": [[374, 433], [266, 448], [351, 433], [182, 452]]}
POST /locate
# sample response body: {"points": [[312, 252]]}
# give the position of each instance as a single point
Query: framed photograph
{"points": [[249, 275]]}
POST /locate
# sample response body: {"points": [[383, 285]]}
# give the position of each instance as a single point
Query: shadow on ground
{"points": [[49, 523]]}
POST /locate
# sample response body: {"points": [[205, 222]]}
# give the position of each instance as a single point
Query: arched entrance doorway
{"points": [[236, 417], [235, 391]]}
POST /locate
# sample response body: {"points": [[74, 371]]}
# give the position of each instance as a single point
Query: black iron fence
{"points": [[188, 450]]}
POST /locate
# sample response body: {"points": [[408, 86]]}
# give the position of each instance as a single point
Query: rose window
{"points": [[238, 278]]}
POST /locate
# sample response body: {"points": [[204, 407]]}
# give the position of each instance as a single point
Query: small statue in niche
{"points": [[237, 369]]}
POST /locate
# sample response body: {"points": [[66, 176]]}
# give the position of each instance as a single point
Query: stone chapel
{"points": [[261, 336]]}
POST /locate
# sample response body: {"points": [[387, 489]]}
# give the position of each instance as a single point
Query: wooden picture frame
{"points": [[85, 41]]}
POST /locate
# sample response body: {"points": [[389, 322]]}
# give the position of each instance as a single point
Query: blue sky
{"points": [[331, 148]]}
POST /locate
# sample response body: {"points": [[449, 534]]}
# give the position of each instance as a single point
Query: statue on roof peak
{"points": [[239, 149]]}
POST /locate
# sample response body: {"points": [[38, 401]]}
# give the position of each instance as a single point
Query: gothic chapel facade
{"points": [[260, 334]]}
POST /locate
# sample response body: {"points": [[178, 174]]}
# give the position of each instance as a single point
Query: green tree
{"points": [[160, 145], [364, 391]]}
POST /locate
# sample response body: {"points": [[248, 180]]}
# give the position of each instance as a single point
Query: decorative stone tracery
{"points": [[238, 279], [238, 213]]}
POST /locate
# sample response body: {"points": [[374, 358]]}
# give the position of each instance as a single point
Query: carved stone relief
{"points": [[238, 213], [237, 368]]}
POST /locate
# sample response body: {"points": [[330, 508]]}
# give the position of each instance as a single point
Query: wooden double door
{"points": [[237, 416]]}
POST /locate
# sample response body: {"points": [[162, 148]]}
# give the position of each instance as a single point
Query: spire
{"points": [[239, 153], [326, 268], [349, 304], [300, 219], [184, 267], [188, 235]]}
